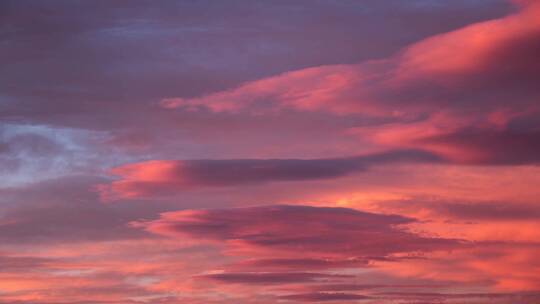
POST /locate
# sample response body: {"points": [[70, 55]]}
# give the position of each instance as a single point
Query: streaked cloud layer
{"points": [[270, 152]]}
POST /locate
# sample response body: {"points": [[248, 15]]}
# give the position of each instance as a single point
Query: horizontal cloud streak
{"points": [[333, 231], [270, 277], [484, 146], [324, 297], [163, 177]]}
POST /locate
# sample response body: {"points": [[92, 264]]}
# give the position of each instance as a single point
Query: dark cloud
{"points": [[358, 287], [315, 230], [271, 277], [325, 297], [165, 177], [302, 263], [491, 147]]}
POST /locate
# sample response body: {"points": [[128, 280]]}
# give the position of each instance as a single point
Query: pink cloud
{"points": [[432, 148], [164, 177], [455, 70], [330, 232], [325, 297], [265, 278], [461, 80]]}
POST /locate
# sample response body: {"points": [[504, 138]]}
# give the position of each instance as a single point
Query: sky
{"points": [[304, 151]]}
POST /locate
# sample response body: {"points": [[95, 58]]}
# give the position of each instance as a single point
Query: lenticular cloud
{"points": [[260, 152]]}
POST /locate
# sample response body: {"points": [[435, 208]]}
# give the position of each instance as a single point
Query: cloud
{"points": [[302, 263], [63, 210], [18, 263], [161, 177], [425, 76], [21, 152], [487, 146], [128, 56], [270, 277], [195, 107], [325, 231], [491, 211], [488, 211], [358, 287], [275, 239], [324, 297], [469, 76], [469, 297]]}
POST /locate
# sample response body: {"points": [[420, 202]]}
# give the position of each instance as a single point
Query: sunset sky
{"points": [[260, 152]]}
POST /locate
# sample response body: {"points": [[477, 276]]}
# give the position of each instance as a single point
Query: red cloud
{"points": [[162, 177], [303, 263], [324, 297], [468, 75], [270, 277], [337, 232], [486, 146], [479, 66]]}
